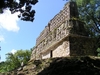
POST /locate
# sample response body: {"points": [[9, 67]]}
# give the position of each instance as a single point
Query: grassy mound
{"points": [[86, 65]]}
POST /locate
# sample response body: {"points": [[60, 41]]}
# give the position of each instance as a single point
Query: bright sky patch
{"points": [[8, 21]]}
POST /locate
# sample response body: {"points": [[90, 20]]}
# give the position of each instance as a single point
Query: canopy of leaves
{"points": [[89, 12], [26, 14], [23, 55], [14, 61]]}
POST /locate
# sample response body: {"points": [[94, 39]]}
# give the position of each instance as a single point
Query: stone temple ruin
{"points": [[64, 36]]}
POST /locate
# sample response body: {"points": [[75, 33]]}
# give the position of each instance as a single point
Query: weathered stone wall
{"points": [[81, 46], [62, 50], [57, 50], [55, 40], [46, 55], [33, 55], [69, 11]]}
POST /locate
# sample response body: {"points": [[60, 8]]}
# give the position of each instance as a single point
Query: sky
{"points": [[16, 34]]}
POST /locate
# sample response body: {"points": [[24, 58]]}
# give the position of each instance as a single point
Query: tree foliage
{"points": [[89, 12], [14, 61], [23, 56], [98, 50], [26, 14]]}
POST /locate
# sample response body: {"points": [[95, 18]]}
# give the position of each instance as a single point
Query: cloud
{"points": [[13, 51], [1, 38], [8, 21], [17, 1]]}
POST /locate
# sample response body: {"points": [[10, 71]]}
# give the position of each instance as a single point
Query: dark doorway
{"points": [[51, 54]]}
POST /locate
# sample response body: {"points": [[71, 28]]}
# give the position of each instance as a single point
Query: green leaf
{"points": [[98, 50]]}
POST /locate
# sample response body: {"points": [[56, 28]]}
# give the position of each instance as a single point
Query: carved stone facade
{"points": [[63, 36]]}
